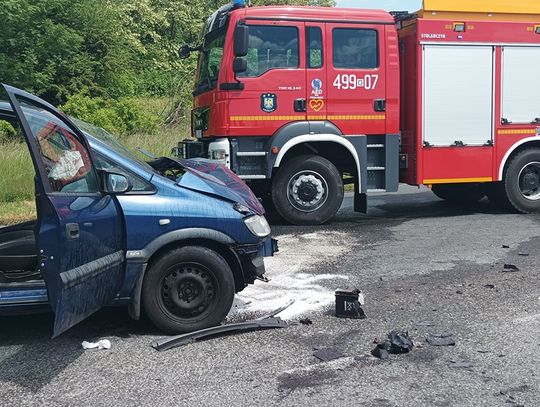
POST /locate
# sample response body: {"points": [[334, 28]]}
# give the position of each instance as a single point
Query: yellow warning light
{"points": [[459, 27]]}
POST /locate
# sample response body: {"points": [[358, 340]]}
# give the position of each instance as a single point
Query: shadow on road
{"points": [[31, 359], [399, 207]]}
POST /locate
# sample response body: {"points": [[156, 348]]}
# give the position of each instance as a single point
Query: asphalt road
{"points": [[424, 267]]}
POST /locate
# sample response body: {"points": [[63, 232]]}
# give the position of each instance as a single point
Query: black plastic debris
{"points": [[380, 353], [510, 268], [398, 342], [269, 321], [328, 354], [524, 254], [347, 304], [440, 340], [306, 321], [490, 286], [505, 246]]}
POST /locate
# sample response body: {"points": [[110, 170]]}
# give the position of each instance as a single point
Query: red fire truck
{"points": [[299, 101]]}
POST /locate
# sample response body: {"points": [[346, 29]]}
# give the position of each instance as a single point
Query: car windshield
{"points": [[210, 60], [110, 141]]}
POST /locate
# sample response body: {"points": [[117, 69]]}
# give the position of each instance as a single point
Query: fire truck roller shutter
{"points": [[458, 89]]}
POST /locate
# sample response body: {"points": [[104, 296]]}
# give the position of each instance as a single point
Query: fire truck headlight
{"points": [[258, 225], [537, 29]]}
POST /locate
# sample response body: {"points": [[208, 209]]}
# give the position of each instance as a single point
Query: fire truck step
{"points": [[376, 190], [251, 154], [375, 146], [252, 176], [376, 168]]}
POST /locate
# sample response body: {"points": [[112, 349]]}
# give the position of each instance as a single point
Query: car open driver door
{"points": [[80, 229]]}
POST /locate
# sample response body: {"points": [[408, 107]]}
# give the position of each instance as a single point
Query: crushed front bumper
{"points": [[252, 258]]}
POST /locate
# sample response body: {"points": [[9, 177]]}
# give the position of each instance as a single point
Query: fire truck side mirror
{"points": [[184, 51], [241, 40], [239, 65]]}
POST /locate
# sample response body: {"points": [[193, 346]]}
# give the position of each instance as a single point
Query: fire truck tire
{"points": [[463, 194], [307, 190], [522, 181]]}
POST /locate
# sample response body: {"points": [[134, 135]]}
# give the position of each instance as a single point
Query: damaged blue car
{"points": [[175, 239]]}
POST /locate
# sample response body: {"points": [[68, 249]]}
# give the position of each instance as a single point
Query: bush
{"points": [[120, 117], [7, 132]]}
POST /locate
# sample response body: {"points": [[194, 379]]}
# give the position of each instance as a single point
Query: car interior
{"points": [[18, 253], [18, 250]]}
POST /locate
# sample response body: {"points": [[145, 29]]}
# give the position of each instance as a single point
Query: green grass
{"points": [[17, 171]]}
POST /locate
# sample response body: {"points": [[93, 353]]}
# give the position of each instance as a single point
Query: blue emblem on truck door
{"points": [[268, 102]]}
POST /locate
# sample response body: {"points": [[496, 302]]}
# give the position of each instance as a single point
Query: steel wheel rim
{"points": [[307, 191], [529, 181], [187, 290]]}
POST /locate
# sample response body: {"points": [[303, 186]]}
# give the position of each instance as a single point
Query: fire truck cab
{"points": [[299, 101]]}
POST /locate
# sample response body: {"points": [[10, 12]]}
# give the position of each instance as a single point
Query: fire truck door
{"points": [[356, 77], [274, 84], [316, 62], [457, 108]]}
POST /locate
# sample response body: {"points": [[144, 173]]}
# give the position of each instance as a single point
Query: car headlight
{"points": [[258, 225]]}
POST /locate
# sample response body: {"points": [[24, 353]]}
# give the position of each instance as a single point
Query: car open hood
{"points": [[216, 179]]}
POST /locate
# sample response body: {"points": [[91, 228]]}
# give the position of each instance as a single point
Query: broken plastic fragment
{"points": [[327, 354], [380, 353], [306, 321], [440, 340], [510, 268], [397, 342], [102, 344]]}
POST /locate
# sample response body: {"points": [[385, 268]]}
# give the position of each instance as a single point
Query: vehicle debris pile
{"points": [[397, 342]]}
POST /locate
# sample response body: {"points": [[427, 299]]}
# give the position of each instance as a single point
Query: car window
{"points": [[139, 184], [271, 47], [355, 48], [66, 160]]}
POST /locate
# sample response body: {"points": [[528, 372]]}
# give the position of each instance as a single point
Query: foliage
{"points": [[7, 132], [106, 48], [119, 116]]}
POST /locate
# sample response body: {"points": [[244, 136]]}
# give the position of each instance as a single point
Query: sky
{"points": [[390, 5]]}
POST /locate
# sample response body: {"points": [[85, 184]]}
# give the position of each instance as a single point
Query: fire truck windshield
{"points": [[210, 61]]}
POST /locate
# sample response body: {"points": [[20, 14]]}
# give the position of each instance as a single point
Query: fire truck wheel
{"points": [[307, 190], [522, 181], [463, 194]]}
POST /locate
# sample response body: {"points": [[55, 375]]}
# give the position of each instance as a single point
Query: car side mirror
{"points": [[239, 65], [115, 183], [241, 40], [184, 51]]}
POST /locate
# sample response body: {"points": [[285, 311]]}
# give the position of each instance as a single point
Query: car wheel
{"points": [[522, 181], [188, 289], [307, 190], [463, 194]]}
